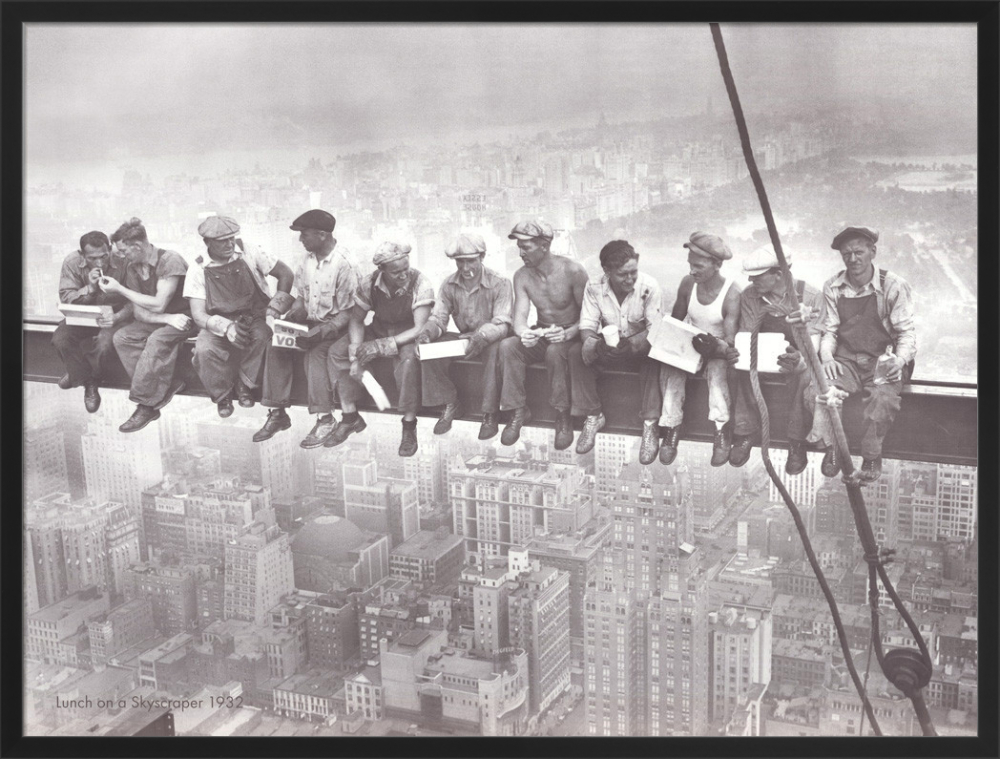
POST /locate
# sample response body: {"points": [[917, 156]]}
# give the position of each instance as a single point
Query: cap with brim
{"points": [[531, 229], [387, 252], [763, 260], [466, 246], [712, 246], [218, 228], [314, 218], [851, 232]]}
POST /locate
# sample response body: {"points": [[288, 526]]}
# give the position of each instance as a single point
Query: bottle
{"points": [[882, 367]]}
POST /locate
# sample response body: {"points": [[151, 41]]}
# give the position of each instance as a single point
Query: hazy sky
{"points": [[95, 92]]}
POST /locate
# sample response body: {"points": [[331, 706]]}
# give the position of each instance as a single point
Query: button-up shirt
{"points": [[258, 261], [326, 285], [74, 285], [895, 309], [423, 290], [753, 306], [639, 310], [484, 309]]}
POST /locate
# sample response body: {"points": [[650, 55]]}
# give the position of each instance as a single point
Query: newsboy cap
{"points": [[466, 246], [712, 246], [529, 229], [762, 260], [314, 218], [387, 252], [218, 228], [849, 232]]}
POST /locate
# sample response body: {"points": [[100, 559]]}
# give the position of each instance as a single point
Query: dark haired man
{"points": [[148, 345], [625, 303], [84, 350]]}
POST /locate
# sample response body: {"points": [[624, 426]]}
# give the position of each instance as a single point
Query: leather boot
{"points": [[650, 444], [323, 428], [408, 442], [593, 425], [451, 412], [739, 454], [277, 420], [668, 446], [797, 459], [564, 431], [244, 395], [91, 397], [871, 469], [512, 431], [721, 446], [345, 429], [489, 427], [830, 467], [225, 407], [142, 416]]}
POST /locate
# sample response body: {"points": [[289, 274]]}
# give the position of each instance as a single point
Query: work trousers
{"points": [[881, 403], [149, 354], [84, 351], [278, 366], [674, 384], [514, 360], [586, 401], [218, 361], [438, 388], [405, 368], [746, 417]]}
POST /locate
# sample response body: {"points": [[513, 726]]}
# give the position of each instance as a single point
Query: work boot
{"points": [[650, 444], [593, 424], [489, 427], [64, 382], [91, 398], [345, 428], [513, 429], [830, 466], [871, 469], [325, 425], [175, 387], [408, 443], [739, 454], [721, 446], [564, 431], [277, 420], [669, 440], [244, 395], [225, 407], [450, 413], [797, 460], [142, 416]]}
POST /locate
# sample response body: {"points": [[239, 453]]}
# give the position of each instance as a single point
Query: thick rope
{"points": [[854, 494]]}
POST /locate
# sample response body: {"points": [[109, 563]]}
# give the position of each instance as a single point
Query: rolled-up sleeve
{"points": [[194, 282], [423, 292], [499, 325], [590, 309], [345, 287], [71, 288], [361, 292], [831, 323], [300, 282], [900, 307], [653, 305]]}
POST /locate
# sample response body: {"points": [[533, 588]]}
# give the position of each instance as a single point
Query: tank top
{"points": [[708, 318]]}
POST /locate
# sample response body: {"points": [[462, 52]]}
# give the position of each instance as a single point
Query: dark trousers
{"points": [[514, 360], [438, 388], [149, 354], [278, 376], [881, 403], [746, 417], [405, 368], [586, 401], [84, 351], [218, 361]]}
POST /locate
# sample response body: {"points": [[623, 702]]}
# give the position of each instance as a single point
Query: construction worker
{"points": [[628, 302], [400, 299], [325, 282], [710, 302], [479, 300], [148, 345], [769, 306], [554, 285], [84, 350], [230, 300], [868, 322]]}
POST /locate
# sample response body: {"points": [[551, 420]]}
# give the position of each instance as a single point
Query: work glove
{"points": [[423, 338], [279, 304], [238, 337], [311, 339], [705, 344], [791, 362], [477, 344], [372, 349]]}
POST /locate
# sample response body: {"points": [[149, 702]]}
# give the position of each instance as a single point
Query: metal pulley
{"points": [[906, 669]]}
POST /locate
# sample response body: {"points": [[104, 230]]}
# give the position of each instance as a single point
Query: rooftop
{"points": [[427, 545]]}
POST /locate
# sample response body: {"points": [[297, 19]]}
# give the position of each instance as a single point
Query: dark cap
{"points": [[314, 219], [531, 229], [849, 232]]}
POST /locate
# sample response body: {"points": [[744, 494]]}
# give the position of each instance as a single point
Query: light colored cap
{"points": [[387, 252], [712, 246], [218, 228], [466, 246], [762, 260], [530, 229]]}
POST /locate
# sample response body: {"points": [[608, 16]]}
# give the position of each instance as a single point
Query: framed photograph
{"points": [[250, 507]]}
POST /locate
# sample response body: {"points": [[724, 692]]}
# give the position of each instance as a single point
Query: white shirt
{"points": [[259, 261]]}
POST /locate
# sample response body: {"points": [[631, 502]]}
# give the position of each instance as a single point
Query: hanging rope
{"points": [[906, 669]]}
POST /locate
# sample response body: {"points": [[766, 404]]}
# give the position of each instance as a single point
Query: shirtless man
{"points": [[710, 302], [555, 285]]}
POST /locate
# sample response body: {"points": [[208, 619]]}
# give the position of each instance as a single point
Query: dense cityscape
{"points": [[475, 589]]}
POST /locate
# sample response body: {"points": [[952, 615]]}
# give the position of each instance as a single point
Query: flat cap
{"points": [[763, 259], [388, 252], [529, 229], [466, 246], [218, 228], [712, 246], [314, 218], [848, 232]]}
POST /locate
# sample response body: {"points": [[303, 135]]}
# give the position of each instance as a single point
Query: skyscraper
{"points": [[44, 462], [270, 463], [380, 504], [258, 572]]}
